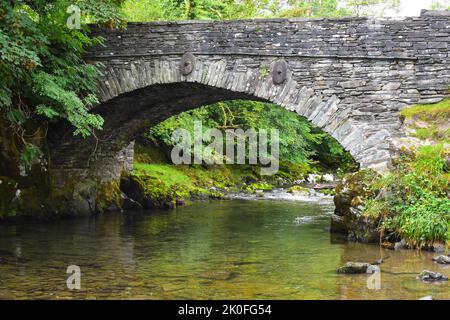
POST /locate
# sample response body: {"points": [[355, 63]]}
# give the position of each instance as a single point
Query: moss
{"points": [[359, 184], [328, 192], [298, 189], [433, 112], [163, 183], [264, 71], [107, 194], [252, 188], [150, 152]]}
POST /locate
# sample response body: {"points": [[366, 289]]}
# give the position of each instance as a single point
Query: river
{"points": [[232, 249]]}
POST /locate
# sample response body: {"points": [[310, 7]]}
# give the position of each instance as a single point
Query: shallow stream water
{"points": [[273, 248]]}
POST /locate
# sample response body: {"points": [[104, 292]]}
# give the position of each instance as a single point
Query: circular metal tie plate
{"points": [[187, 63], [279, 71]]}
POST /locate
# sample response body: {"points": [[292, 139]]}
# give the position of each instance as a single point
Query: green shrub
{"points": [[414, 203]]}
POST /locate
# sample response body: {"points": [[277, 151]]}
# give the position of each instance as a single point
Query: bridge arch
{"points": [[139, 94], [348, 76]]}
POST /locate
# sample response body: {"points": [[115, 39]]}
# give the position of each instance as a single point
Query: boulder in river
{"points": [[442, 259], [431, 276], [354, 268]]}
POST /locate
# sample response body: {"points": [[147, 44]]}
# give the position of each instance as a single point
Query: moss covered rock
{"points": [[351, 195]]}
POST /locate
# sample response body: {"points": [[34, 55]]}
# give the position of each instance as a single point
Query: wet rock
{"points": [[439, 247], [129, 204], [338, 224], [442, 259], [388, 245], [354, 268], [147, 203], [132, 189], [112, 207], [431, 276], [350, 198], [180, 202], [401, 245], [168, 205], [324, 186]]}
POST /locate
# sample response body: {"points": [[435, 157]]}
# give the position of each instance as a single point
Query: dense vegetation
{"points": [[414, 203], [150, 10], [300, 142], [43, 75]]}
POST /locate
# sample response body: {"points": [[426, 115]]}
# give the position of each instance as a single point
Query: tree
{"points": [[369, 7], [314, 9], [44, 76], [440, 5]]}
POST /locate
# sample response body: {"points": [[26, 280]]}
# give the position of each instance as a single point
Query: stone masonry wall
{"points": [[349, 76]]}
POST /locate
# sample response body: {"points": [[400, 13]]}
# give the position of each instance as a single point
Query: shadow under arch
{"points": [[127, 115]]}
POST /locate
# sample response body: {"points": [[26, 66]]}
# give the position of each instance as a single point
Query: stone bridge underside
{"points": [[350, 77]]}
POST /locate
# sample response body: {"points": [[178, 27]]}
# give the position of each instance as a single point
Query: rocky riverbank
{"points": [[410, 206], [166, 186]]}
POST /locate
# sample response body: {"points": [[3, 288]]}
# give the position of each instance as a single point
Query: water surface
{"points": [[210, 250]]}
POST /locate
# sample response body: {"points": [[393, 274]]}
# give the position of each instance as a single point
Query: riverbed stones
{"points": [[442, 259], [354, 268], [431, 276]]}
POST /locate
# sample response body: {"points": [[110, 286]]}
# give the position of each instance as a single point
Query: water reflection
{"points": [[219, 250]]}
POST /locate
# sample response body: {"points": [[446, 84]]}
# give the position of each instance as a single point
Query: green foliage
{"points": [[300, 142], [435, 112], [151, 10], [440, 5], [43, 74], [315, 9], [415, 205], [369, 7], [260, 186], [297, 189]]}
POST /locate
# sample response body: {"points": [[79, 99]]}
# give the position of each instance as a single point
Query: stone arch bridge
{"points": [[348, 76]]}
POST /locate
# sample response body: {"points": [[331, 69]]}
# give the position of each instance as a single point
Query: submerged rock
{"points": [[354, 268], [442, 259], [431, 276]]}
